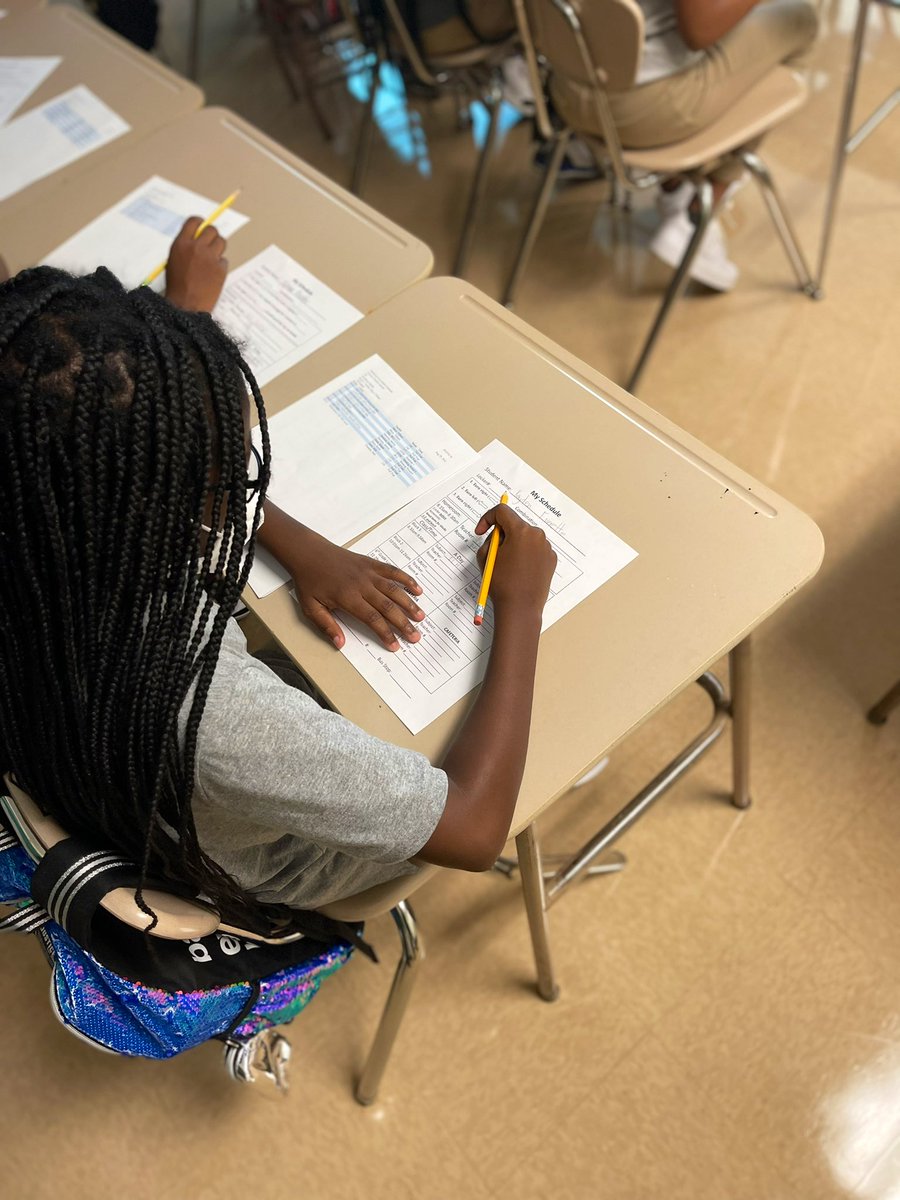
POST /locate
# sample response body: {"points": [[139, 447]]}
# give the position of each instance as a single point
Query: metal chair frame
{"points": [[480, 80], [628, 182], [846, 143], [267, 1055]]}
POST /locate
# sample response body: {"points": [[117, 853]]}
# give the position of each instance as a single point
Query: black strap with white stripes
{"points": [[70, 881]]}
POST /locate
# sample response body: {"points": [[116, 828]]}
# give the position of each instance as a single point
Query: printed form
{"points": [[353, 452], [53, 135], [135, 235], [279, 312], [19, 78], [433, 540]]}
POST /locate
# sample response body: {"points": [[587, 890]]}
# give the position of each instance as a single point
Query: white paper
{"points": [[53, 135], [136, 234], [280, 313], [19, 78], [433, 540], [353, 452]]}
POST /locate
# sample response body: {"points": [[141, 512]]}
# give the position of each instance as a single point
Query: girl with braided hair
{"points": [[130, 708]]}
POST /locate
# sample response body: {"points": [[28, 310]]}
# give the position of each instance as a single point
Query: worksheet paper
{"points": [[279, 312], [135, 235], [53, 135], [433, 540], [353, 452], [19, 78]]}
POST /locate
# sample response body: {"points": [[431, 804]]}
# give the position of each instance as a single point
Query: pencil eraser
{"points": [[478, 620]]}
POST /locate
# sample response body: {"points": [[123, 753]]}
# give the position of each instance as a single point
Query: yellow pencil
{"points": [[213, 216], [489, 568]]}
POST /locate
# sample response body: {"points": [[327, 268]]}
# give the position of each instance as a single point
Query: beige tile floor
{"points": [[729, 1026]]}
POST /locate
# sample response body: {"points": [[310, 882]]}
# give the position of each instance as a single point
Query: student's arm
{"points": [[703, 22], [327, 577], [485, 763], [196, 270]]}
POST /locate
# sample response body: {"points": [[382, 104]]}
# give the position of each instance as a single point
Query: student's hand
{"points": [[196, 270], [524, 566], [327, 577]]}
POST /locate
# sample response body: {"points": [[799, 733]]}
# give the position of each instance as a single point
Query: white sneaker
{"points": [[711, 266], [675, 201]]}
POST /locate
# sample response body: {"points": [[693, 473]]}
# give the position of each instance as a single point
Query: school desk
{"points": [[139, 88], [362, 255], [718, 552], [11, 7]]}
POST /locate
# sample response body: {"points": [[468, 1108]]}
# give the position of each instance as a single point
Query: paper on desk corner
{"points": [[357, 449], [53, 135], [20, 77], [433, 540], [135, 234], [279, 312]]}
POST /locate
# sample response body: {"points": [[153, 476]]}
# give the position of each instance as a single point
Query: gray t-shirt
{"points": [[298, 804]]}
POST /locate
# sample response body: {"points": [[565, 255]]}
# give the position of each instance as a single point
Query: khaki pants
{"points": [[491, 20], [678, 106]]}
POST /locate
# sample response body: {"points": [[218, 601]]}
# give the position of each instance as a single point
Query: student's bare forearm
{"points": [[702, 23], [485, 764], [279, 531]]}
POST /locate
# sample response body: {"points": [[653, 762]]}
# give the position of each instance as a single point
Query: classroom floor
{"points": [[729, 1024]]}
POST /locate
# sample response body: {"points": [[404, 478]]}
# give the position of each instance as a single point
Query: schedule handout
{"points": [[433, 540]]}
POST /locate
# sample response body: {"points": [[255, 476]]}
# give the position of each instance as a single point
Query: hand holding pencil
{"points": [[197, 267], [523, 562]]}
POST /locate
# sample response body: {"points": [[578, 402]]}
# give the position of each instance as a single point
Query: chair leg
{"points": [[412, 952], [534, 893], [366, 128], [879, 712], [881, 113], [739, 669], [194, 43], [679, 281], [781, 221], [536, 220], [840, 147], [493, 100]]}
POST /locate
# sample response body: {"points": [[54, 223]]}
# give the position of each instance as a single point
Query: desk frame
{"points": [[541, 889], [846, 142]]}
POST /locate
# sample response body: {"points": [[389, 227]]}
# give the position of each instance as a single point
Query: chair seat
{"points": [[483, 54], [767, 103]]}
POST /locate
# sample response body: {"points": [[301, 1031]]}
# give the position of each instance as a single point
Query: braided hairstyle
{"points": [[121, 424]]}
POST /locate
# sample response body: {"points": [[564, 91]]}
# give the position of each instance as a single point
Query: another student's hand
{"points": [[196, 270], [525, 562], [327, 577]]}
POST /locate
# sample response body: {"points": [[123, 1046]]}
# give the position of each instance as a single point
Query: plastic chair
{"points": [[552, 30], [847, 143], [266, 1055], [475, 72]]}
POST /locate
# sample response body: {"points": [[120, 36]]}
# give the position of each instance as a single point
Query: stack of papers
{"points": [[54, 135], [19, 78], [352, 453], [433, 540], [135, 235]]}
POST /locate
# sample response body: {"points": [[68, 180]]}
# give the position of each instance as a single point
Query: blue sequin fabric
{"points": [[145, 1022]]}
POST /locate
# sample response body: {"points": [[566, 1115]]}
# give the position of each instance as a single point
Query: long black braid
{"points": [[121, 421]]}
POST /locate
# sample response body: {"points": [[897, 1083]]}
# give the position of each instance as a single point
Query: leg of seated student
{"points": [[677, 106], [137, 20]]}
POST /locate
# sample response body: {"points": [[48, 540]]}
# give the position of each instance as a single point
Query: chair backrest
{"points": [[177, 918], [590, 42]]}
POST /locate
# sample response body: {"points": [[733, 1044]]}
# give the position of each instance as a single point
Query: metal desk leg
{"points": [[878, 713], [194, 48], [739, 670], [529, 852], [840, 146]]}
